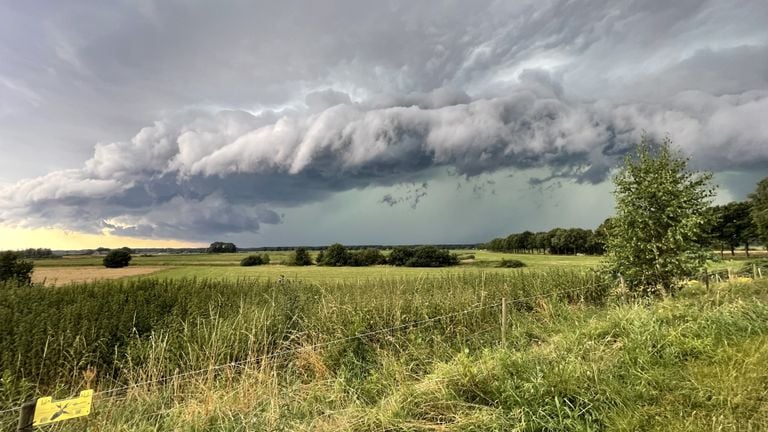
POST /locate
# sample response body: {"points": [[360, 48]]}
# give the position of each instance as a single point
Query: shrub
{"points": [[422, 256], [299, 257], [335, 255], [400, 255], [117, 258], [254, 260], [367, 257], [511, 263], [14, 269], [222, 247]]}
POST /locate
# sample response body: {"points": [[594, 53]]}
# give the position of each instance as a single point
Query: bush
{"points": [[222, 247], [422, 256], [400, 255], [511, 263], [335, 255], [299, 257], [367, 257], [13, 269], [117, 258], [254, 260]]}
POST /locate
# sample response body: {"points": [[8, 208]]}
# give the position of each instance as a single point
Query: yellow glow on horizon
{"points": [[59, 239]]}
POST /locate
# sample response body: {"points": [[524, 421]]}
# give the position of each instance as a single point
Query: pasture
{"points": [[226, 266]]}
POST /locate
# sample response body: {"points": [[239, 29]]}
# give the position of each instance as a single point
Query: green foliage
{"points": [[695, 362], [655, 239], [49, 335], [422, 256], [254, 260], [730, 225], [557, 241], [40, 253], [15, 270], [117, 258], [336, 255], [511, 263], [759, 199], [367, 257], [299, 257], [400, 255], [222, 247]]}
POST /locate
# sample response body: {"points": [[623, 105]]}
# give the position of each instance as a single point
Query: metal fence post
{"points": [[26, 416]]}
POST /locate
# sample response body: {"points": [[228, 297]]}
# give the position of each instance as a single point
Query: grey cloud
{"points": [[248, 107], [225, 173]]}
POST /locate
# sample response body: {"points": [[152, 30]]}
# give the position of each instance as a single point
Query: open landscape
{"points": [[384, 216]]}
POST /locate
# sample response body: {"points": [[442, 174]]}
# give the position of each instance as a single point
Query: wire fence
{"points": [[117, 393]]}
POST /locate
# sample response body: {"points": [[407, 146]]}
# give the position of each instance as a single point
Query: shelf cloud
{"points": [[266, 122]]}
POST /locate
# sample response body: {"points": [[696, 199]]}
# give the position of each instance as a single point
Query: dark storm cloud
{"points": [[253, 107]]}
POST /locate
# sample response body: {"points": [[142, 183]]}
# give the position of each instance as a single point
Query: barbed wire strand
{"points": [[240, 363]]}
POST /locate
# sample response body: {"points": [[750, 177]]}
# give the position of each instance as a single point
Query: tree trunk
{"points": [[746, 248]]}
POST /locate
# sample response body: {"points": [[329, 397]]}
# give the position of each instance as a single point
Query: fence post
{"points": [[730, 275], [706, 279], [26, 416], [504, 322], [754, 271]]}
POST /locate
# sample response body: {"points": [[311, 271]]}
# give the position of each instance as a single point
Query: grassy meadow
{"points": [[203, 344]]}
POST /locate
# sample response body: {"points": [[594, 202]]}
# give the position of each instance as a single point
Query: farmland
{"points": [[226, 266], [605, 352]]}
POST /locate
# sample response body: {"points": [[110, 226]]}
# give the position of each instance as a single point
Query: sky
{"points": [[170, 123]]}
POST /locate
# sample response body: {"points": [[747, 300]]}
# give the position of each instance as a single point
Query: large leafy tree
{"points": [[14, 269], [759, 200], [655, 238]]}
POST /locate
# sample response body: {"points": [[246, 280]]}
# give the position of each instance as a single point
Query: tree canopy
{"points": [[222, 247], [655, 238], [759, 199], [14, 269]]}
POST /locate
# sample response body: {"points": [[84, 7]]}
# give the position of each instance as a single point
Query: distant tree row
{"points": [[739, 223], [337, 255], [558, 241], [39, 253]]}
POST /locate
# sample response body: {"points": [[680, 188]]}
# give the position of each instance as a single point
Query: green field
{"points": [[579, 353]]}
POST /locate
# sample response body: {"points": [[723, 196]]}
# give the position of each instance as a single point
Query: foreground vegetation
{"points": [[578, 360]]}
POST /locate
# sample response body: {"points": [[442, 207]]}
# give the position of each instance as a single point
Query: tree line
{"points": [[557, 241], [725, 227]]}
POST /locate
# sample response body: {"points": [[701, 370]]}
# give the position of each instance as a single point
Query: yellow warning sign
{"points": [[48, 411]]}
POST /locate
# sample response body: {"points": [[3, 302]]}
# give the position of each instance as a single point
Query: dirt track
{"points": [[65, 275]]}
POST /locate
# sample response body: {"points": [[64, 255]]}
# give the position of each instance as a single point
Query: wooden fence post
{"points": [[754, 271], [504, 322], [26, 416], [706, 279]]}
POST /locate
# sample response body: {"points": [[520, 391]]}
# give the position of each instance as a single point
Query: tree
{"points": [[400, 255], [222, 247], [759, 199], [366, 257], [300, 257], [335, 255], [14, 269], [117, 258], [254, 260], [655, 238]]}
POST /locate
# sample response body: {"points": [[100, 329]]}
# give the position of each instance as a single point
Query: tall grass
{"points": [[573, 360], [155, 327]]}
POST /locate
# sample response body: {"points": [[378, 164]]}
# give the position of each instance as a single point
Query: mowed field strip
{"points": [[65, 275], [226, 266]]}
